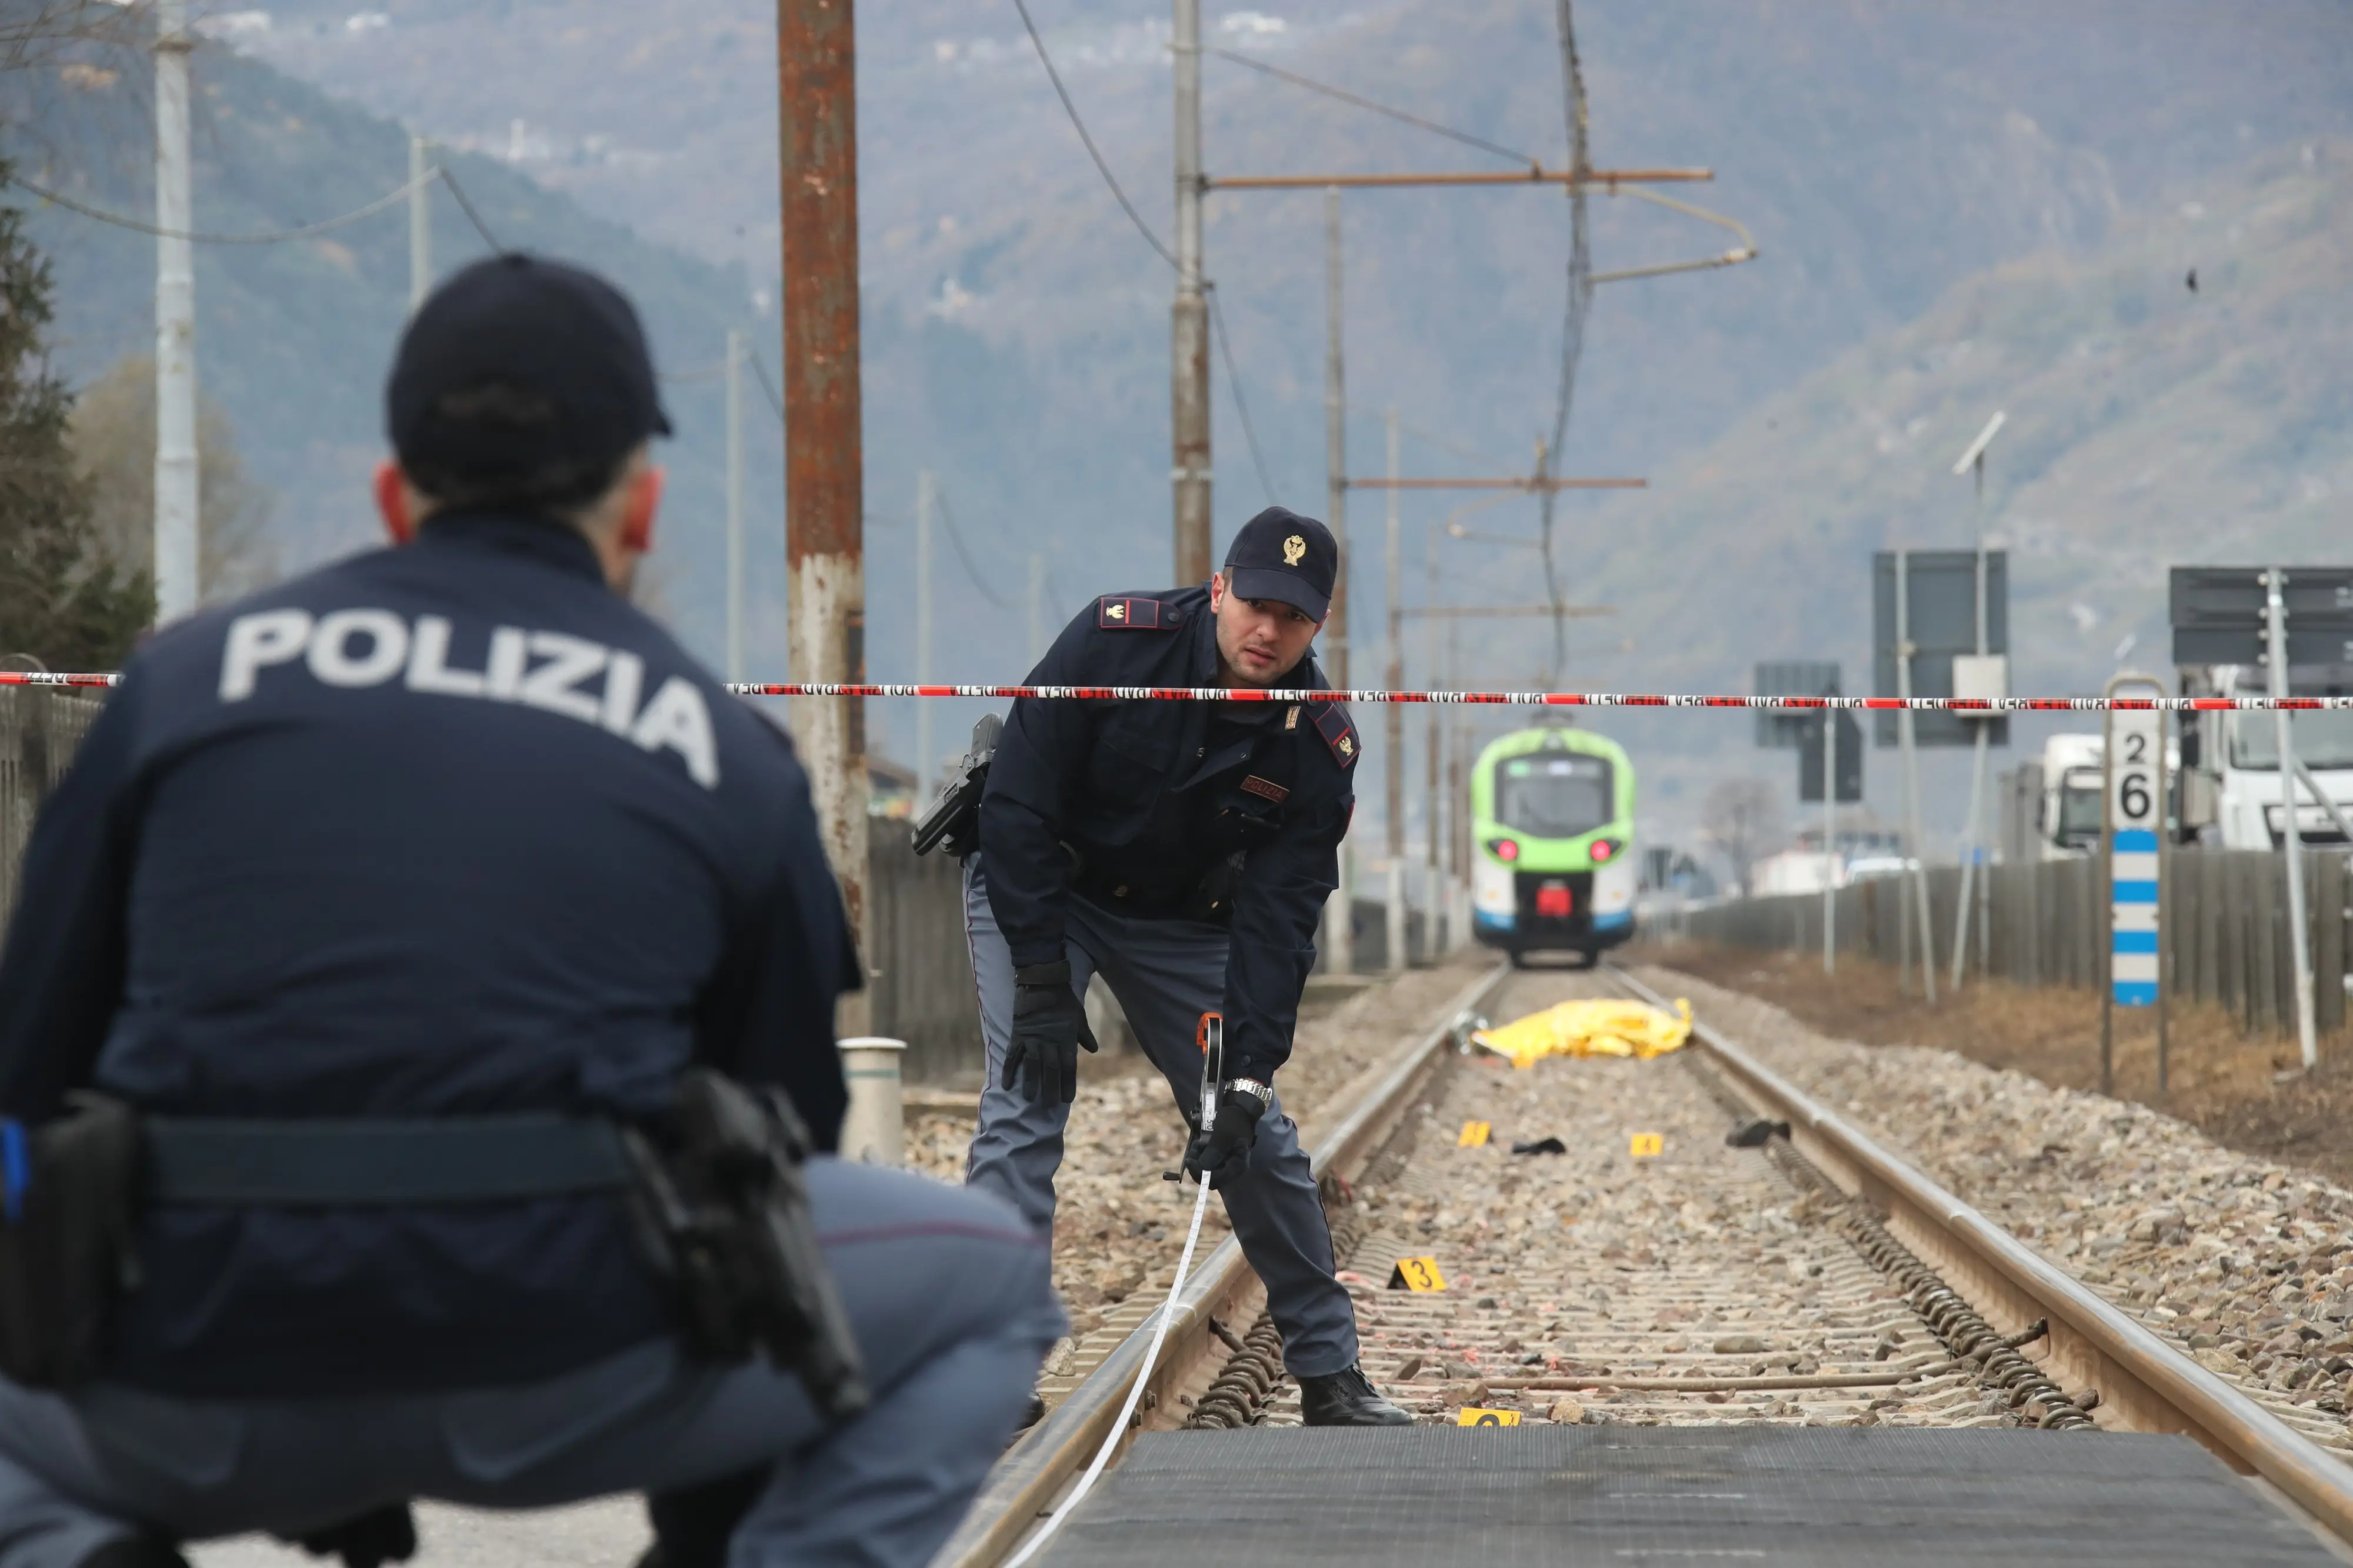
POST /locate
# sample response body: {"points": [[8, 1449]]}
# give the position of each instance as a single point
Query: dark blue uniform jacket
{"points": [[1131, 803], [443, 830]]}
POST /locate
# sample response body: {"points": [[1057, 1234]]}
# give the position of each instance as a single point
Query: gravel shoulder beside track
{"points": [[2244, 1262]]}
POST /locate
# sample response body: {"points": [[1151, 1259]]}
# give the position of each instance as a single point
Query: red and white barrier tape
{"points": [[1488, 698], [1562, 698]]}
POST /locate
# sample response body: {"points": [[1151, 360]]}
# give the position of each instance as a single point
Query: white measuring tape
{"points": [[1212, 1032]]}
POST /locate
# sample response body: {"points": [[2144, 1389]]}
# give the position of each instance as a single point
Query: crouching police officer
{"points": [[1182, 850], [403, 918]]}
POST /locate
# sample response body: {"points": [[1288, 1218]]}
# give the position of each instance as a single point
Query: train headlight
{"points": [[1605, 850], [1504, 850]]}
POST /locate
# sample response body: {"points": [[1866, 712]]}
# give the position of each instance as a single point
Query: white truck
{"points": [[2051, 809], [2230, 795]]}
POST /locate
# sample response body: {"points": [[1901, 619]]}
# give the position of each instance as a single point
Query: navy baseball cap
{"points": [[542, 327], [1283, 556]]}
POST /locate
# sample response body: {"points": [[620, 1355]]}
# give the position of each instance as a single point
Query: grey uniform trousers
{"points": [[1165, 973], [953, 1309]]}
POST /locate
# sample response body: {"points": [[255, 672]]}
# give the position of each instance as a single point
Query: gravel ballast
{"points": [[2245, 1262]]}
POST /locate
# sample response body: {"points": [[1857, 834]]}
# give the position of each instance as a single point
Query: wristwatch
{"points": [[1255, 1089]]}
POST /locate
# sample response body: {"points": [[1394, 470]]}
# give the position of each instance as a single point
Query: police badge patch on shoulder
{"points": [[1332, 723], [1135, 614]]}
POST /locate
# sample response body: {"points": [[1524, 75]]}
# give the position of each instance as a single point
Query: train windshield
{"points": [[2323, 739], [1555, 796]]}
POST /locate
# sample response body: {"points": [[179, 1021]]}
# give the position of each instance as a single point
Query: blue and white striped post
{"points": [[2132, 829]]}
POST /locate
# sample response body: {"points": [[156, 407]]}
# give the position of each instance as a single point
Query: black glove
{"points": [[1049, 1025], [1218, 1157]]}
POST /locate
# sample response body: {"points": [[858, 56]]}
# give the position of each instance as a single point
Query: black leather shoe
{"points": [[1347, 1398], [134, 1552]]}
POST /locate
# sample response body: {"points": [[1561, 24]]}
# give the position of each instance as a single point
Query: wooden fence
{"points": [[2225, 923]]}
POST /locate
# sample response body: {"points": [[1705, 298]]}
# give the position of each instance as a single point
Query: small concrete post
{"points": [[874, 1130]]}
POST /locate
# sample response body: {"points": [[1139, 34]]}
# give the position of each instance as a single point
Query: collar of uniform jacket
{"points": [[543, 539]]}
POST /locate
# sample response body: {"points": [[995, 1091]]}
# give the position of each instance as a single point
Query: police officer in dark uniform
{"points": [[1183, 850], [439, 839]]}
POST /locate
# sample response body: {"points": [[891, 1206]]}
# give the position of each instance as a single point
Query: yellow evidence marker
{"points": [[1418, 1275], [1647, 1145], [1475, 1135], [1471, 1416]]}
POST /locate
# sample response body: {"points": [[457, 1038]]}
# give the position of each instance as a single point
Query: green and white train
{"points": [[1552, 828]]}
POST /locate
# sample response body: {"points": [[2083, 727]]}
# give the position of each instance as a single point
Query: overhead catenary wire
{"points": [[269, 237], [1080, 125], [1345, 95], [1579, 301], [1234, 382], [1225, 349], [963, 555], [767, 387], [273, 237]]}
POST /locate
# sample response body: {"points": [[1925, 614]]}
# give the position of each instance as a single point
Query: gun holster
{"points": [[69, 1198], [952, 819], [723, 1211]]}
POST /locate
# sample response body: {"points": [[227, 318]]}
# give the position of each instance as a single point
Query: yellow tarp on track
{"points": [[1599, 1028]]}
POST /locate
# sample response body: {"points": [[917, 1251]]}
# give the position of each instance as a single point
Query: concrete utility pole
{"points": [[1437, 909], [2290, 830], [1188, 400], [1904, 735], [735, 659], [1336, 441], [1036, 608], [926, 498], [420, 227], [1393, 764], [176, 476], [1339, 912], [817, 123]]}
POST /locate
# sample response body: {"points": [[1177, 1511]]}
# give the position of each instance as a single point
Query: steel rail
{"points": [[2145, 1385], [1025, 1483]]}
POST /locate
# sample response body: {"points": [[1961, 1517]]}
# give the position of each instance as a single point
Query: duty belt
{"points": [[330, 1164]]}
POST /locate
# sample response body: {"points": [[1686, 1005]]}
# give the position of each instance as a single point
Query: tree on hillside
{"points": [[63, 600], [112, 433], [34, 32], [1741, 817]]}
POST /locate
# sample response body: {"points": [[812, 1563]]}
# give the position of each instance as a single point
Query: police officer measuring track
{"points": [[1182, 850], [458, 960]]}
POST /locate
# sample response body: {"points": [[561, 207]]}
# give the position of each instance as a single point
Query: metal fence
{"points": [[39, 732], [924, 994], [2225, 923]]}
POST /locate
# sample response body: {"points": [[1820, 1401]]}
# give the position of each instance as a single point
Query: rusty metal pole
{"points": [[1188, 388], [817, 135]]}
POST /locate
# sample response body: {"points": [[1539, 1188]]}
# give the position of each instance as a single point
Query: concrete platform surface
{"points": [[1582, 1496], [610, 1532]]}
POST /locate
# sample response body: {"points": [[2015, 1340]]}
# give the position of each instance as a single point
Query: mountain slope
{"points": [[294, 340], [2148, 426]]}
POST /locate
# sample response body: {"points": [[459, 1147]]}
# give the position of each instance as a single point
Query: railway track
{"points": [[1809, 1278]]}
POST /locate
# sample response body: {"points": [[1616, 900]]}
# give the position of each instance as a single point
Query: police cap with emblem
{"points": [[565, 341], [1283, 556]]}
